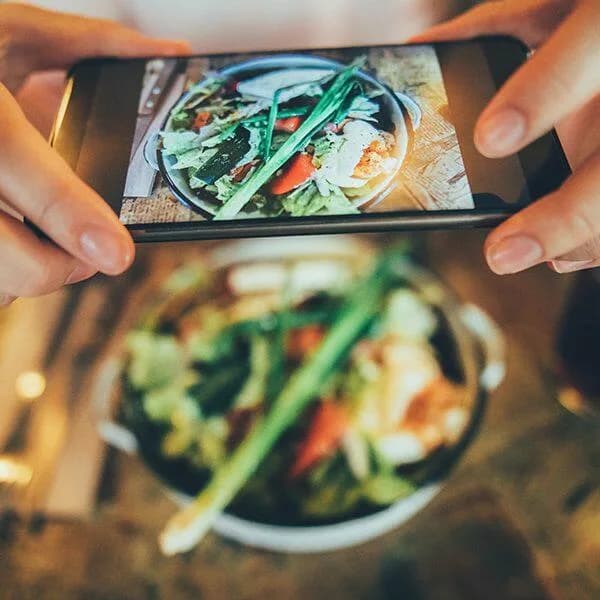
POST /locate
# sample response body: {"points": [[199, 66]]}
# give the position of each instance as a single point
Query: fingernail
{"points": [[500, 133], [513, 254], [419, 37], [569, 266], [176, 47], [108, 252], [80, 272]]}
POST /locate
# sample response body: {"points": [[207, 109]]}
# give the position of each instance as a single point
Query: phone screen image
{"points": [[336, 132]]}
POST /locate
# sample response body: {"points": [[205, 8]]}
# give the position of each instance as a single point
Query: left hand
{"points": [[85, 236], [559, 86]]}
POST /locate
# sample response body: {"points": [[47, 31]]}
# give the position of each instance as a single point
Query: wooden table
{"points": [[519, 518]]}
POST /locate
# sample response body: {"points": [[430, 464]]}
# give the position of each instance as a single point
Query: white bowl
{"points": [[318, 538]]}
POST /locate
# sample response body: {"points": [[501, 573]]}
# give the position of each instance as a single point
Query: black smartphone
{"points": [[298, 142]]}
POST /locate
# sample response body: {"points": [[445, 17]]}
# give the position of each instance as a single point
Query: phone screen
{"points": [[304, 134]]}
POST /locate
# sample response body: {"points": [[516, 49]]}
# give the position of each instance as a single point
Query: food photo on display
{"points": [[294, 134]]}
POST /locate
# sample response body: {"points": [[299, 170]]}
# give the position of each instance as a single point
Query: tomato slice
{"points": [[289, 124], [328, 425], [201, 119], [297, 171]]}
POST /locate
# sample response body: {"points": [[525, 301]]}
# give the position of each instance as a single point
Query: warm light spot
{"points": [[30, 385], [574, 401], [13, 471]]}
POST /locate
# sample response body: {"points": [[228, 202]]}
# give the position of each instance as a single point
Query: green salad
{"points": [[288, 141], [292, 392]]}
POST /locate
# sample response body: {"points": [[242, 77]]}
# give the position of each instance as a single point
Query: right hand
{"points": [[85, 236], [559, 86]]}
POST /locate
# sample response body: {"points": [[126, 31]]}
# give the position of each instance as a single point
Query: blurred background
{"points": [[518, 518], [236, 26]]}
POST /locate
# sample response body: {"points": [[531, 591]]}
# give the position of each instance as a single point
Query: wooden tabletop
{"points": [[519, 518]]}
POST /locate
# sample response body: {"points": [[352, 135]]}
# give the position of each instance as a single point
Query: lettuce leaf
{"points": [[155, 359], [220, 137], [326, 145], [225, 187], [162, 403], [308, 200], [179, 142], [255, 142], [363, 108], [194, 158]]}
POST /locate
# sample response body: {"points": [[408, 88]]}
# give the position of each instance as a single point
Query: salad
{"points": [[289, 141], [297, 392]]}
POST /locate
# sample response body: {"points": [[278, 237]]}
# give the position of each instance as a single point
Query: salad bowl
{"points": [[461, 347], [351, 159]]}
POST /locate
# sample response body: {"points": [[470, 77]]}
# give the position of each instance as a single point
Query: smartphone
{"points": [[298, 142]]}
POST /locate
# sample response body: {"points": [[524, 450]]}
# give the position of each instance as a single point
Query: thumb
{"points": [[529, 20], [53, 40], [561, 77]]}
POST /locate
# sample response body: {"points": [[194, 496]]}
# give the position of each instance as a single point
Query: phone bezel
{"points": [[82, 91]]}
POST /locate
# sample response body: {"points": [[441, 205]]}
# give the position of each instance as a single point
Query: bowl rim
{"points": [[314, 539]]}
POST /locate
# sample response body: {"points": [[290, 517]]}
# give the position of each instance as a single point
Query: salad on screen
{"points": [[289, 141]]}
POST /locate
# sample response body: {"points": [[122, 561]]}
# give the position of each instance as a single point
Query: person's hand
{"points": [[559, 86], [85, 234]]}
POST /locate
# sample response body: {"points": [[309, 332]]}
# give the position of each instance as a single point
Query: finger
{"points": [[529, 20], [579, 133], [37, 182], [583, 257], [571, 266], [56, 40], [82, 272], [562, 76], [584, 253], [39, 98], [32, 267], [552, 227], [6, 300]]}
